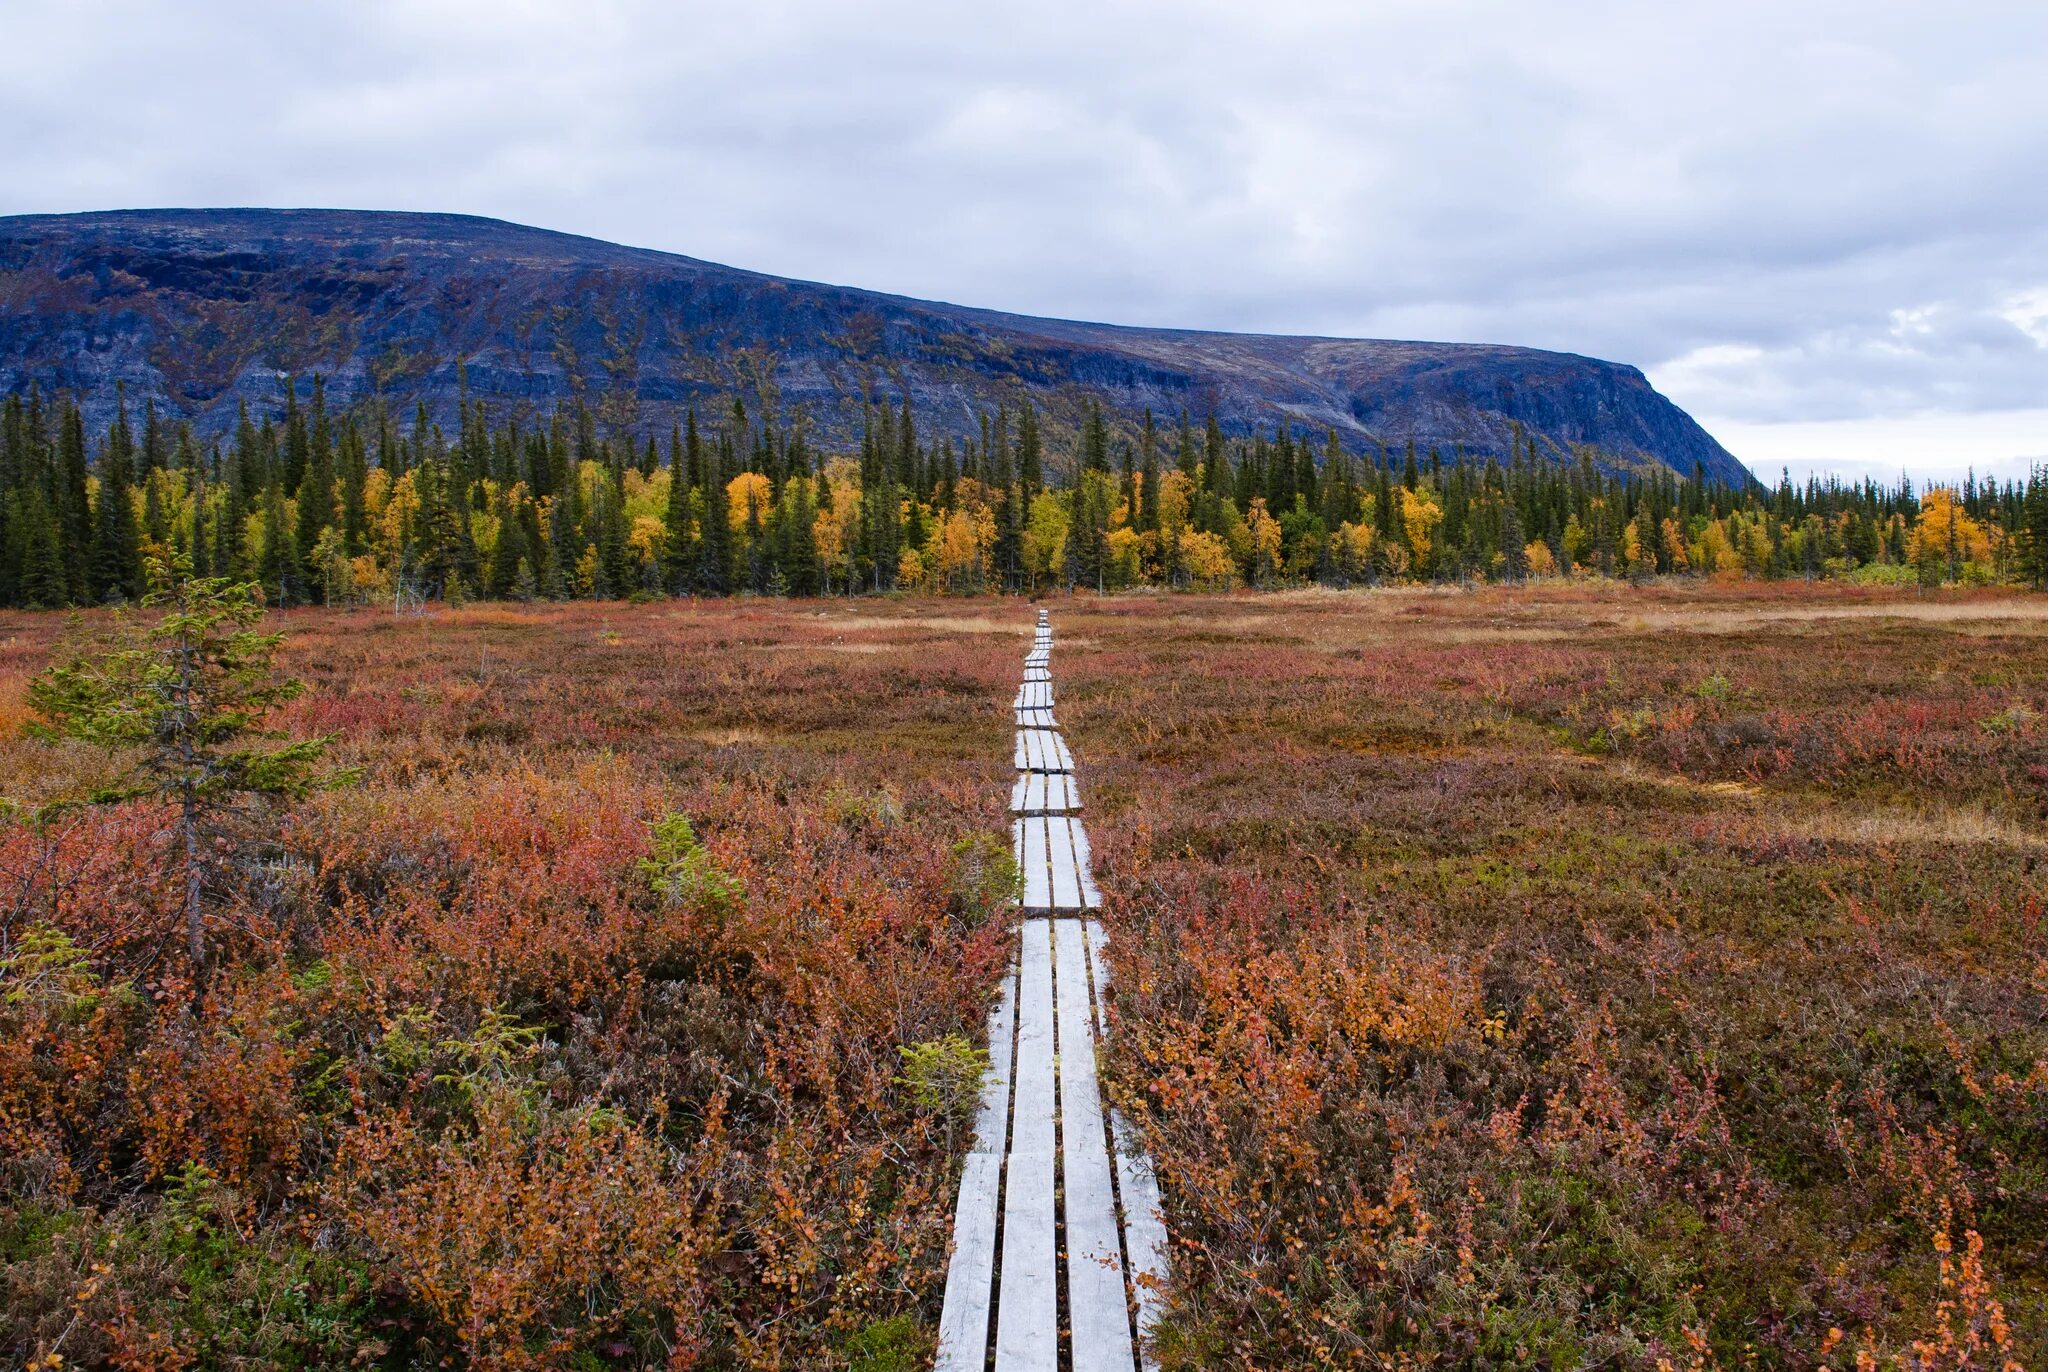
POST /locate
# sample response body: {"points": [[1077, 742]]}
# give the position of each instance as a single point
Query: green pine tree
{"points": [[183, 703]]}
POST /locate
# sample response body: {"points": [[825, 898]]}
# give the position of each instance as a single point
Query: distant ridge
{"points": [[202, 309]]}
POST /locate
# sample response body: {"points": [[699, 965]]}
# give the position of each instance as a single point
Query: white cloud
{"points": [[2028, 312], [2005, 444]]}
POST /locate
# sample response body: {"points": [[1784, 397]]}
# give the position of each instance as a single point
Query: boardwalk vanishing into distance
{"points": [[1057, 1241]]}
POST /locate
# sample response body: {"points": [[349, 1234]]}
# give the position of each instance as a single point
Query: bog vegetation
{"points": [[341, 509], [1558, 975]]}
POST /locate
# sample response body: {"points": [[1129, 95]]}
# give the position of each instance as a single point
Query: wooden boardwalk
{"points": [[1059, 1252]]}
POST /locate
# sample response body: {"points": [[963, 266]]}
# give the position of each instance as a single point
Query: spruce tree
{"points": [[73, 510], [2034, 526], [184, 703], [116, 552], [714, 561], [1030, 453]]}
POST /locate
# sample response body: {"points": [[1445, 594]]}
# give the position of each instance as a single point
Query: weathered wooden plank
{"points": [[1041, 793], [1033, 1065], [1066, 882], [1143, 1218], [1098, 970], [1036, 719], [1034, 695], [1098, 1315], [1027, 1322], [970, 1275], [1084, 865], [1027, 1333], [1042, 750], [1029, 836], [1144, 1232], [992, 1122]]}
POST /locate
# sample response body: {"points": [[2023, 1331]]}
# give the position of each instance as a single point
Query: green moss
{"points": [[895, 1344]]}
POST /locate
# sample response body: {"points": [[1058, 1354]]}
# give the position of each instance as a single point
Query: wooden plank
{"points": [[1043, 793], [1029, 836], [1144, 1232], [1098, 970], [1143, 1217], [1036, 719], [1042, 750], [1066, 882], [1084, 866], [970, 1276], [1034, 695], [1031, 1131], [1098, 1314], [1027, 1319], [992, 1122]]}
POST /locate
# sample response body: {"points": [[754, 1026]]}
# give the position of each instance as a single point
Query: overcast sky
{"points": [[1822, 228]]}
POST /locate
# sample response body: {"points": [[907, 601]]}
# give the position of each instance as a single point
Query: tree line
{"points": [[319, 506]]}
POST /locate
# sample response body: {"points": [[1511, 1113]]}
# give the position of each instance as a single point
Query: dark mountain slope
{"points": [[202, 309]]}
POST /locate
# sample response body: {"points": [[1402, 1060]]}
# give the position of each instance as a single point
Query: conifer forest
{"points": [[354, 508]]}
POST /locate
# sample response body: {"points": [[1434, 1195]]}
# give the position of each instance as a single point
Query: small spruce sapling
{"points": [[184, 702]]}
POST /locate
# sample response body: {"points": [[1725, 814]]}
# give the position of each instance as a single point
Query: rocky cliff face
{"points": [[204, 309]]}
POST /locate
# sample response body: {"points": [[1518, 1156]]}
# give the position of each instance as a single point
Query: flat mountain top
{"points": [[202, 309]]}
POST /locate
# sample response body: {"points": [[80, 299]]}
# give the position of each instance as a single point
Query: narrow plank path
{"points": [[1059, 1249]]}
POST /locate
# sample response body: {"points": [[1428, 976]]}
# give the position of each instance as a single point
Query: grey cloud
{"points": [[1737, 198]]}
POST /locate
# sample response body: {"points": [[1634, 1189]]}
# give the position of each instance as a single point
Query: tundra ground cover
{"points": [[1581, 978], [497, 1066], [1560, 976]]}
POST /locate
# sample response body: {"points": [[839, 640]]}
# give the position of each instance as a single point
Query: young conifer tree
{"points": [[184, 703]]}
